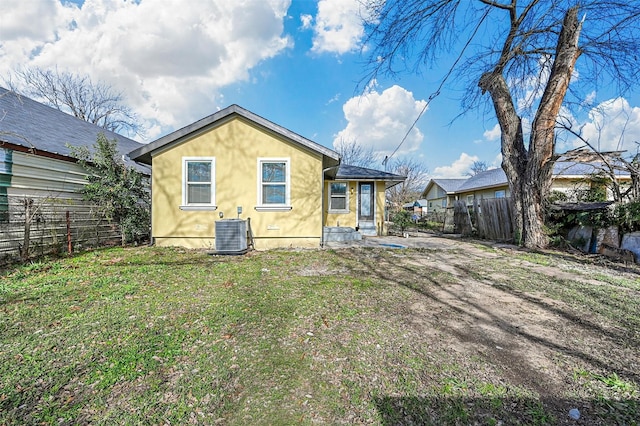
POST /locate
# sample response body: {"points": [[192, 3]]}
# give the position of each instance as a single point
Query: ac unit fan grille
{"points": [[231, 235]]}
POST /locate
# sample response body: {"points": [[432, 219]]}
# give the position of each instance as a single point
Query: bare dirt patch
{"points": [[527, 320]]}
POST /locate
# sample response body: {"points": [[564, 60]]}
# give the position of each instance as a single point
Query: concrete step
{"points": [[368, 230], [340, 233]]}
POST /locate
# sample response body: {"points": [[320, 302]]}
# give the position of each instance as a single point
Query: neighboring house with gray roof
{"points": [[36, 162], [569, 177], [440, 193], [488, 184]]}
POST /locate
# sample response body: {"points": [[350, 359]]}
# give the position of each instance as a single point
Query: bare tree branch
{"points": [[525, 61], [353, 153], [416, 174], [79, 96]]}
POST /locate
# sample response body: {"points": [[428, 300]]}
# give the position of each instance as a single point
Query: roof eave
{"points": [[145, 153], [480, 188]]}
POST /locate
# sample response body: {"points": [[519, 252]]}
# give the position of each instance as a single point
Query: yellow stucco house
{"points": [[235, 165]]}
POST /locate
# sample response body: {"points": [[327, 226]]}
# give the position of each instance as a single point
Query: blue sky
{"points": [[294, 62]]}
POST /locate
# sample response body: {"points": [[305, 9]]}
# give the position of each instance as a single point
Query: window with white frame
{"points": [[274, 183], [198, 182], [444, 203], [338, 197], [469, 200], [500, 194]]}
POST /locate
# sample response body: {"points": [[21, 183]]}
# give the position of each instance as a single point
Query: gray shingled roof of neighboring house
{"points": [[574, 168], [38, 127], [497, 177], [449, 185], [143, 154], [486, 179]]}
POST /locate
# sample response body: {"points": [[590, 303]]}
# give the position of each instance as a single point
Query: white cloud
{"points": [[307, 21], [493, 134], [32, 20], [497, 162], [588, 100], [458, 169], [380, 120], [335, 98], [338, 27], [170, 61], [612, 125]]}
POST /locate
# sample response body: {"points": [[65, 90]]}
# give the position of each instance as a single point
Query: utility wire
{"points": [[437, 92]]}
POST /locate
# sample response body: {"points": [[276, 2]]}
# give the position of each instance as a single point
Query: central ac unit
{"points": [[231, 236]]}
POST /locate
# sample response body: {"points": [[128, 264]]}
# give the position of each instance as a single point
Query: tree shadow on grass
{"points": [[448, 410], [439, 291]]}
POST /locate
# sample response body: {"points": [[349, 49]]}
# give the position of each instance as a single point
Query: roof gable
{"points": [[447, 185], [144, 153]]}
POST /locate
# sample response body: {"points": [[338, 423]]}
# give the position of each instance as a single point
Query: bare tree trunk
{"points": [[529, 171], [514, 153]]}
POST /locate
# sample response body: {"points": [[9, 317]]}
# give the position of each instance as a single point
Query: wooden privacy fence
{"points": [[490, 218], [32, 226]]}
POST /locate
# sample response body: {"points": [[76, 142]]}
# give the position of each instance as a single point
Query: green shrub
{"points": [[402, 220], [628, 216]]}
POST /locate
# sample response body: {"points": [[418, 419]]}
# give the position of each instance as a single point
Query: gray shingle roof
{"points": [[486, 179], [449, 185], [347, 172], [36, 126], [497, 177], [575, 168], [143, 154]]}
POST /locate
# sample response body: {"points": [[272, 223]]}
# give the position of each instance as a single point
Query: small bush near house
{"points": [[401, 220], [122, 192]]}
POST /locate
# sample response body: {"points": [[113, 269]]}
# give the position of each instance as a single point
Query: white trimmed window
{"points": [[500, 194], [338, 197], [274, 184], [198, 183], [469, 200]]}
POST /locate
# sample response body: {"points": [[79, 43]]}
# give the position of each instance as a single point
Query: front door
{"points": [[366, 204]]}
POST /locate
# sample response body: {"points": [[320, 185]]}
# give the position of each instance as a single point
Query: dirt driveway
{"points": [[563, 326]]}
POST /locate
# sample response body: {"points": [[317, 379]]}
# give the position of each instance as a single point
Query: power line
{"points": [[437, 92]]}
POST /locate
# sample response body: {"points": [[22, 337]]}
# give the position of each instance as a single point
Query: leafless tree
{"points": [[523, 55], [353, 153], [477, 167], [416, 174], [97, 103]]}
